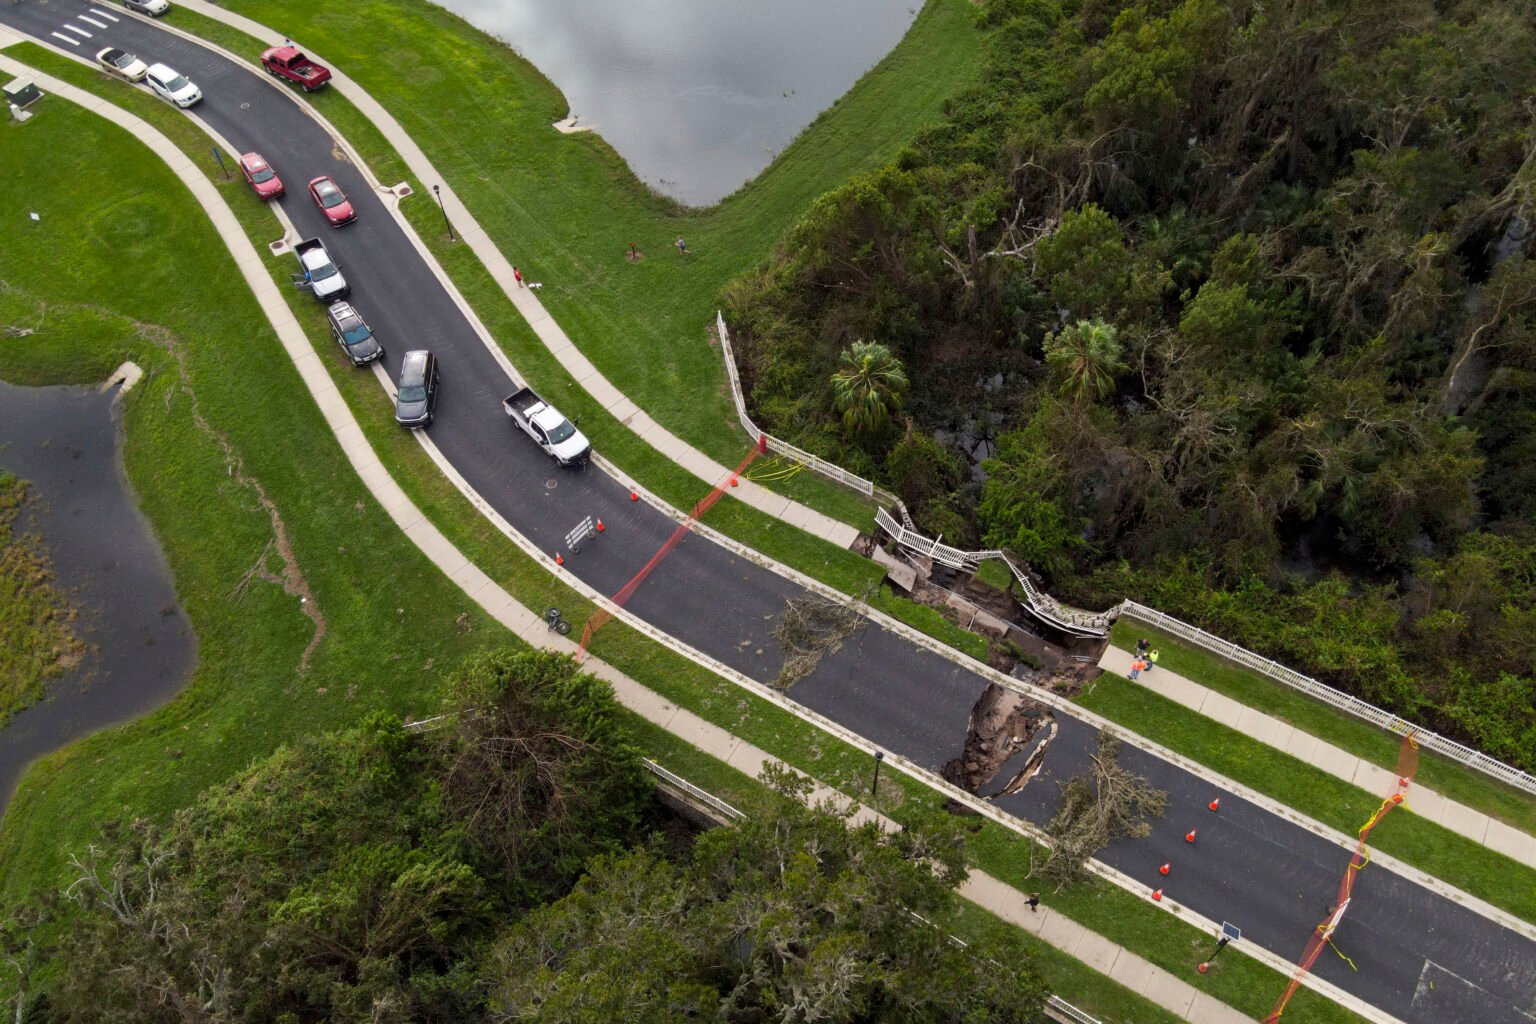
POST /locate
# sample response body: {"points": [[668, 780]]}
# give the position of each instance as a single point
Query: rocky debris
{"points": [[1003, 725]]}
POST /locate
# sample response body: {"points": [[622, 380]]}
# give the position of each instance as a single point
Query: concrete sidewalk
{"points": [[548, 331], [1130, 970], [1459, 818]]}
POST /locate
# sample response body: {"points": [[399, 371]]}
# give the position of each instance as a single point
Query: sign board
{"points": [[1230, 932]]}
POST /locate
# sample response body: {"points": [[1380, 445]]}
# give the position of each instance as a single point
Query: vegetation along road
{"points": [[900, 697]]}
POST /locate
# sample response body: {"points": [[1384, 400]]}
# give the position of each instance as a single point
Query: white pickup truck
{"points": [[321, 274], [551, 431]]}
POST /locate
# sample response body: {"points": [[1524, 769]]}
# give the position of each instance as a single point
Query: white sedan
{"points": [[121, 62], [174, 86]]}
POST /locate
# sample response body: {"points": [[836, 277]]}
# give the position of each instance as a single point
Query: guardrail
{"points": [[1073, 620], [770, 443], [1328, 695], [1059, 1009], [694, 791]]}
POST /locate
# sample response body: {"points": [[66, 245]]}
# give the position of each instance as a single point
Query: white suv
{"points": [[177, 88]]}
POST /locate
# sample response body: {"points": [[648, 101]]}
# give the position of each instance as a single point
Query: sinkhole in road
{"points": [[1005, 743]]}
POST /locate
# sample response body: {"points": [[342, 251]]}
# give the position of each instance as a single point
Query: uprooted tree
{"points": [[1106, 803], [810, 629]]}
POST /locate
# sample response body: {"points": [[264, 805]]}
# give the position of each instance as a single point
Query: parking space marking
{"points": [[71, 40]]}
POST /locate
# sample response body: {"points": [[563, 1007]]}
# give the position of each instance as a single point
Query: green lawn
{"points": [[114, 288], [1360, 738], [564, 207], [1433, 848]]}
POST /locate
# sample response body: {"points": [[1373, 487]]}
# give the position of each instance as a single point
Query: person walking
{"points": [[1033, 902], [1152, 659], [1142, 646], [517, 275], [682, 246]]}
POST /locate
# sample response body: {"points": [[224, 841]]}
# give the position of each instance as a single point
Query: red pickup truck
{"points": [[289, 62]]}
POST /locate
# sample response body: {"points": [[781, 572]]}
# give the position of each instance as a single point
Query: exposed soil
{"points": [[1004, 724]]}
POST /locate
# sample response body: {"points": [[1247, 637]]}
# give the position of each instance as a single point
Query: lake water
{"points": [[64, 442], [698, 95]]}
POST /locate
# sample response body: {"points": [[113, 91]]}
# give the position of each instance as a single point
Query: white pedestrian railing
{"points": [[770, 443], [1073, 620], [1424, 738], [701, 795], [1059, 1009]]}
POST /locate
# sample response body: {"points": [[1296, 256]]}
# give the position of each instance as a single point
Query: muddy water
{"points": [[64, 441], [697, 95]]}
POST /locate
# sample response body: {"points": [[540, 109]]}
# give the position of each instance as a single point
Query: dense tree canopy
{"points": [[354, 876], [792, 915], [1234, 292], [505, 864]]}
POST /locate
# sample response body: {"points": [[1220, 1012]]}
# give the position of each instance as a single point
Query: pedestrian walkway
{"points": [[532, 310], [1426, 803], [1130, 970]]}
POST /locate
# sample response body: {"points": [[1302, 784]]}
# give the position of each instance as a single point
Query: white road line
{"points": [[71, 40], [103, 14], [80, 30], [91, 21]]}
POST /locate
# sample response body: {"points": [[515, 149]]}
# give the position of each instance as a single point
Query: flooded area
{"points": [[697, 95], [64, 442]]}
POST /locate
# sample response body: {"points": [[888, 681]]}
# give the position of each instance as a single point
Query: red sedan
{"points": [[332, 201], [261, 177]]}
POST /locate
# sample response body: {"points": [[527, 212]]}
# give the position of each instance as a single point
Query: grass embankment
{"points": [[1360, 738], [564, 207], [1430, 847], [38, 641], [123, 254], [635, 459], [1121, 916]]}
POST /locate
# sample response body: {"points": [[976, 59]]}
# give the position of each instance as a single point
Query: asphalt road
{"points": [[1420, 957]]}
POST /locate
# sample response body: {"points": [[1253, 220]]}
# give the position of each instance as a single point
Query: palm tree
{"points": [[868, 387], [1086, 356]]}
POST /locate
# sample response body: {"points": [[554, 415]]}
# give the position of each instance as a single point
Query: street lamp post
{"points": [[437, 190], [874, 788]]}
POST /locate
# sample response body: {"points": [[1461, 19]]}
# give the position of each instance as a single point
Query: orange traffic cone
{"points": [[559, 558], [1157, 895], [1164, 869], [1202, 968], [1189, 836], [600, 526], [1216, 804], [1402, 782], [733, 481], [634, 495]]}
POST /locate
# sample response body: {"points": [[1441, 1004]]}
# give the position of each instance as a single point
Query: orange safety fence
{"points": [[1322, 935], [600, 617]]}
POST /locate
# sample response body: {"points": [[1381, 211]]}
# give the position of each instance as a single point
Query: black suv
{"points": [[417, 395], [352, 333]]}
